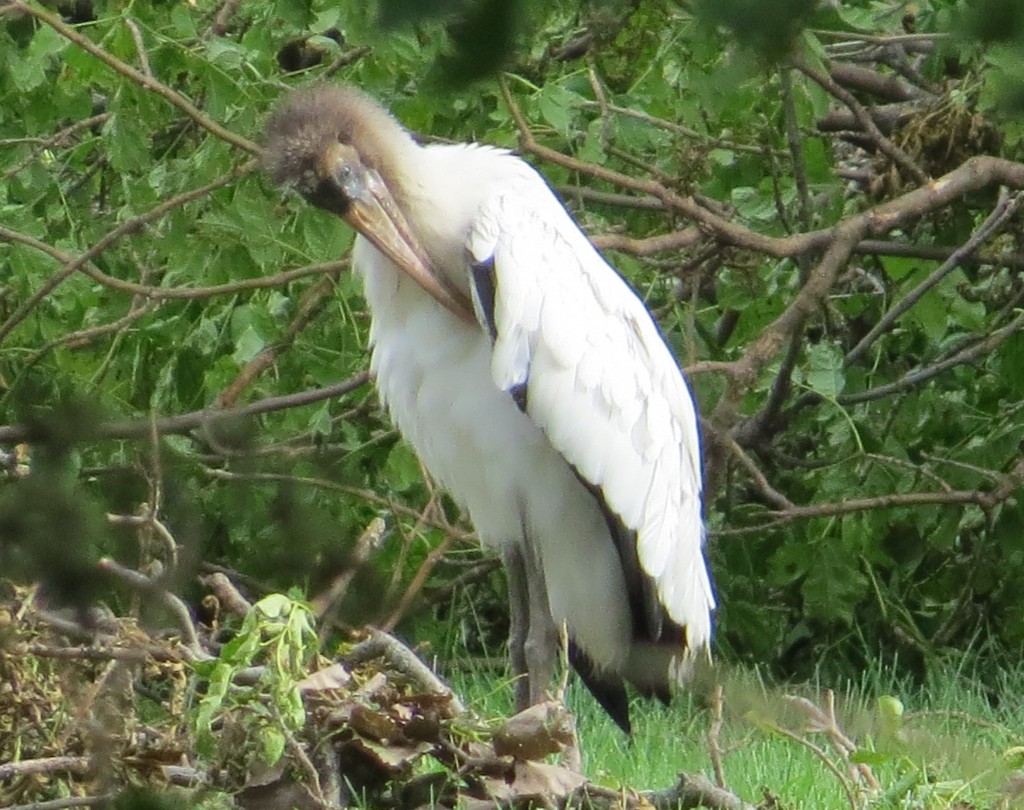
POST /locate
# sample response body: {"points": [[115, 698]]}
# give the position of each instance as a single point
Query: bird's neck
{"points": [[442, 189]]}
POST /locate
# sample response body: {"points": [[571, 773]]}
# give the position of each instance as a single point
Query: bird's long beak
{"points": [[372, 212]]}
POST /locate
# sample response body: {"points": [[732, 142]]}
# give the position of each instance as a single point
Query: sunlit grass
{"points": [[954, 742]]}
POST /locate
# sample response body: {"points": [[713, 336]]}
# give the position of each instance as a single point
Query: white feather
{"points": [[604, 398]]}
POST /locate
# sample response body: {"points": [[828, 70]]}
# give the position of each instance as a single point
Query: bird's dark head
{"points": [[345, 154], [331, 143]]}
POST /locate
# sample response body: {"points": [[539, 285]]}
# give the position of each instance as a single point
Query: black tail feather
{"points": [[607, 688]]}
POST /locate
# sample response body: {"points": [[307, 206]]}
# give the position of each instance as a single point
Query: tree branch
{"points": [[129, 226], [1007, 207], [187, 422], [148, 82]]}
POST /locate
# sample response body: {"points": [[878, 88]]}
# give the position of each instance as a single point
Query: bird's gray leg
{"points": [[533, 638], [519, 619], [542, 639]]}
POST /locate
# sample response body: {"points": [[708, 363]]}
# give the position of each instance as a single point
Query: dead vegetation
{"points": [[92, 704], [243, 708]]}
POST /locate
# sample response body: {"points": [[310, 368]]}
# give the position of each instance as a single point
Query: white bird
{"points": [[532, 382]]}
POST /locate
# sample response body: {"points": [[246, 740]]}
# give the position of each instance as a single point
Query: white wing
{"points": [[599, 380]]}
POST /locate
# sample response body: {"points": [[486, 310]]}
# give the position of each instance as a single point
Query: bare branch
{"points": [[177, 607], [891, 150], [227, 594], [310, 305], [125, 228], [819, 752], [47, 765], [359, 492], [714, 736], [880, 85], [967, 355], [148, 82], [187, 422], [770, 493], [103, 799], [1007, 207], [181, 293], [329, 599], [401, 659]]}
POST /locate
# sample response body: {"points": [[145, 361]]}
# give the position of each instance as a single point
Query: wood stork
{"points": [[532, 382]]}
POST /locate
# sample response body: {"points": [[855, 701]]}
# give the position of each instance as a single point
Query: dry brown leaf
{"points": [[335, 676], [533, 780], [373, 723], [536, 732], [396, 758]]}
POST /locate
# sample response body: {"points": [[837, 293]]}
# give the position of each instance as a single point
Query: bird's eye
{"points": [[349, 179]]}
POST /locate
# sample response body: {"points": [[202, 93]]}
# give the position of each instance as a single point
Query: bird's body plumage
{"points": [[558, 418]]}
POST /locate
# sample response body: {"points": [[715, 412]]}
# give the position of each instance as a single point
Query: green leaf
{"points": [[898, 269], [326, 238], [823, 372], [835, 585], [722, 157], [556, 105], [858, 18], [1011, 367], [225, 54], [242, 649], [403, 468], [127, 141], [865, 756], [272, 744], [26, 73], [930, 313], [247, 345], [276, 606]]}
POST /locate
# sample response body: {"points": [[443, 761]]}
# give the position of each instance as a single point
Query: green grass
{"points": [[952, 747]]}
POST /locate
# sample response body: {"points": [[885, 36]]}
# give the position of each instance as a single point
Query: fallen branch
{"points": [[177, 607], [45, 765], [401, 659]]}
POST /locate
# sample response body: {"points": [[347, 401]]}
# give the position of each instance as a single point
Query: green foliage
{"points": [[769, 35], [278, 637], [174, 310]]}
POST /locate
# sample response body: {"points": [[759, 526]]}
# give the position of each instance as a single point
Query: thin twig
{"points": [[770, 493], [180, 293], [851, 797], [967, 355], [148, 82], [140, 47], [310, 305], [715, 736], [794, 142], [1006, 485], [359, 492], [127, 227], [180, 610], [418, 581], [187, 422], [326, 602], [103, 799], [1006, 207], [58, 139]]}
